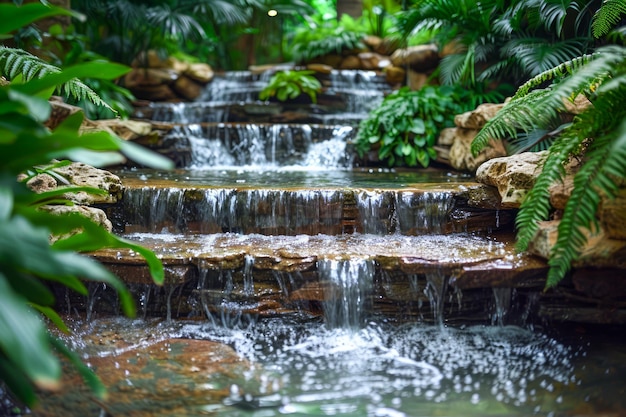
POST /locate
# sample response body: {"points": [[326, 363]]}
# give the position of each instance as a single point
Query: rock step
{"points": [[281, 203], [276, 275]]}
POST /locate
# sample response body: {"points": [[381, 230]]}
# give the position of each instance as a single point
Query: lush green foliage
{"points": [[407, 124], [28, 352], [17, 64], [212, 30], [288, 84], [322, 37], [503, 41], [602, 78]]}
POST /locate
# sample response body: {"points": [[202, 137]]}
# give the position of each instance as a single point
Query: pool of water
{"points": [[381, 369], [292, 177]]}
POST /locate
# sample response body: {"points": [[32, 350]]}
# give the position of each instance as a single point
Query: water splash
{"points": [[349, 291]]}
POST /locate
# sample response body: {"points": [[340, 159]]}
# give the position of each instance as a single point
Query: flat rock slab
{"points": [[170, 377], [472, 261]]}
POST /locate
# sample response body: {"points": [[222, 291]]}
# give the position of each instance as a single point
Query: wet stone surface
{"points": [[147, 375], [279, 367]]}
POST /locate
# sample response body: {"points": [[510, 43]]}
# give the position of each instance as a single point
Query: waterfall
{"points": [[216, 210], [349, 291], [406, 213], [267, 146]]}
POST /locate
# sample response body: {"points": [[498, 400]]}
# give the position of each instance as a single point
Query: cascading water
{"points": [[348, 291], [322, 278]]}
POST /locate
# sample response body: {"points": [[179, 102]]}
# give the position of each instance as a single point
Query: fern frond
{"points": [[563, 69], [529, 110], [606, 162], [536, 205], [607, 16], [16, 62], [525, 113]]}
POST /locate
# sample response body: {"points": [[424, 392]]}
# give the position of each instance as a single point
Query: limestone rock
{"points": [[395, 75], [373, 42], [478, 117], [446, 136], [41, 183], [95, 214], [461, 157], [187, 88], [176, 65], [142, 77], [320, 68], [160, 92], [599, 252], [420, 57], [125, 129], [560, 192], [612, 215], [484, 196], [373, 61], [578, 105], [84, 175], [350, 62], [202, 73], [513, 176], [417, 80], [59, 112], [332, 60]]}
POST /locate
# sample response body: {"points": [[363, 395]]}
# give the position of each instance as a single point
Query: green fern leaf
{"points": [[17, 62], [606, 162], [607, 16]]}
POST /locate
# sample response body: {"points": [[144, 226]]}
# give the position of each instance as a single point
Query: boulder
{"points": [[350, 62], [612, 215], [59, 112], [600, 251], [478, 117], [125, 129], [320, 68], [94, 214], [373, 61], [202, 73], [417, 80], [446, 136], [395, 75], [84, 175], [143, 77], [461, 157], [187, 88], [513, 176], [419, 58]]}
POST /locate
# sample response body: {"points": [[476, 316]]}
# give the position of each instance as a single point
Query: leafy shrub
{"points": [[290, 85], [407, 124], [28, 352], [320, 38], [597, 137]]}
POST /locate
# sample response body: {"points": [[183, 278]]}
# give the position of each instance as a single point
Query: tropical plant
{"points": [[28, 261], [123, 30], [597, 137], [407, 123], [502, 41], [290, 84], [322, 37]]}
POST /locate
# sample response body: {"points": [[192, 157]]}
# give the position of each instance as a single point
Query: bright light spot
{"points": [[272, 13]]}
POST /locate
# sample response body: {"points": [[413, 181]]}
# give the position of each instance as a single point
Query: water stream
{"points": [[296, 261]]}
